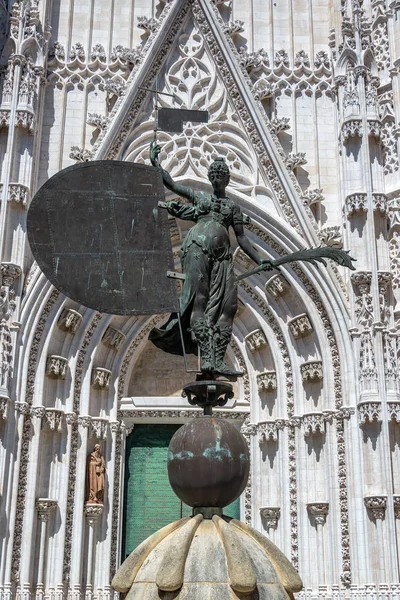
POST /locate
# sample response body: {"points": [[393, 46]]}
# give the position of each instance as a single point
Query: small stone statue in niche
{"points": [[209, 298], [95, 475]]}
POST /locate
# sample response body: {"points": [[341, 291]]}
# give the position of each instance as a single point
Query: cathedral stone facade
{"points": [[304, 104]]}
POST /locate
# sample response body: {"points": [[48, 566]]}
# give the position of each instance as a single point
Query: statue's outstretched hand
{"points": [[267, 265], [155, 150]]}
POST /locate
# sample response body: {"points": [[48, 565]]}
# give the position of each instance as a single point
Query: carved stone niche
{"points": [[101, 378], [277, 286], [270, 516], [266, 381], [300, 326], [255, 340], [56, 366], [311, 371], [369, 410], [69, 320], [377, 506], [313, 424], [318, 511], [113, 338]]}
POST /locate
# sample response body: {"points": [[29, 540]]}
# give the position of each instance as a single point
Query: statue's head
{"points": [[97, 448], [218, 173]]}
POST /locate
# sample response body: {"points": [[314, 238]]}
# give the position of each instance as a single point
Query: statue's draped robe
{"points": [[95, 478], [206, 257]]}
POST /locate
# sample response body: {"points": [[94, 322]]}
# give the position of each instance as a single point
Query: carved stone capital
{"points": [[300, 326], [113, 338], [295, 159], [19, 193], [101, 378], [312, 196], [270, 516], [56, 366], [115, 426], [362, 280], [85, 421], [100, 427], [4, 404], [377, 506], [394, 411], [93, 512], [255, 340], [69, 320], [44, 506], [71, 418], [318, 511], [312, 371], [21, 407], [268, 430], [313, 424], [53, 419], [351, 129], [38, 412], [355, 203], [277, 286], [9, 273], [396, 504], [369, 410], [266, 381]]}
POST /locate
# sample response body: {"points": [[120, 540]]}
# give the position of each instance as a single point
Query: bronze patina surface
{"points": [[99, 236]]}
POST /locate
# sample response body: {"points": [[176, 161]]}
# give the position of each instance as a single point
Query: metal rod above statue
{"points": [[208, 302]]}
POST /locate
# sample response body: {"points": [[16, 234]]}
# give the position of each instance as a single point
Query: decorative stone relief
{"points": [[148, 24], [113, 338], [300, 326], [53, 419], [270, 516], [93, 512], [56, 366], [279, 124], [69, 320], [266, 381], [377, 506], [369, 411], [255, 340], [277, 286], [313, 424], [312, 371], [101, 378], [318, 511], [98, 53], [233, 28]]}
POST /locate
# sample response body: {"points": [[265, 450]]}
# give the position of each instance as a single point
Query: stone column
{"points": [[318, 512], [377, 507], [43, 506], [92, 513]]}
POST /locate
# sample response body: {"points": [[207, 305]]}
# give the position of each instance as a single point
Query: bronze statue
{"points": [[95, 470], [209, 298]]}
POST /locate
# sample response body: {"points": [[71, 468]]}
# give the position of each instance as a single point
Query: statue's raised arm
{"points": [[179, 190]]}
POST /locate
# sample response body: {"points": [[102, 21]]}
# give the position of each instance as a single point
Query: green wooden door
{"points": [[149, 502]]}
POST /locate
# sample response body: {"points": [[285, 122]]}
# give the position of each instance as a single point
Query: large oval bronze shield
{"points": [[99, 236]]}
